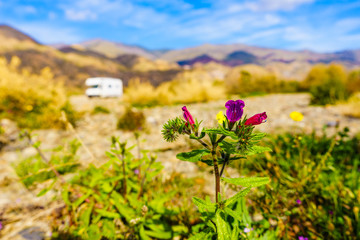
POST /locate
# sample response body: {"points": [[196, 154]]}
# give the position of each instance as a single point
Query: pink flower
{"points": [[257, 119], [188, 116], [298, 201]]}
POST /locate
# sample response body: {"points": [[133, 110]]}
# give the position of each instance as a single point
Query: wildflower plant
{"points": [[233, 139]]}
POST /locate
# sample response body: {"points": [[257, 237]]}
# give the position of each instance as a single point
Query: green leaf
{"points": [[248, 182], [221, 131], [93, 232], [203, 205], [107, 214], [108, 229], [201, 236], [236, 197], [235, 233], [65, 196], [193, 156], [234, 214], [258, 149], [85, 216], [81, 199], [258, 136], [222, 227], [143, 235], [45, 190], [159, 234], [202, 134]]}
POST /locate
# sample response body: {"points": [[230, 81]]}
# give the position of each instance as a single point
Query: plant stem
{"points": [[217, 175], [122, 159], [224, 164], [143, 180], [203, 143]]}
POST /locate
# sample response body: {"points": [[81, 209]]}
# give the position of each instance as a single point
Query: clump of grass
{"points": [[132, 120], [100, 109]]}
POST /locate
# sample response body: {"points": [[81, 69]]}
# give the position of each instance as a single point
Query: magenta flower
{"points": [[303, 238], [188, 116], [298, 201], [136, 171], [234, 110], [257, 119]]}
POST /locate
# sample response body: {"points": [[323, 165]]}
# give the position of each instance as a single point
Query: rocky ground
{"points": [[24, 216]]}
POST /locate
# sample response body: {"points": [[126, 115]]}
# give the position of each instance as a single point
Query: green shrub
{"points": [[326, 84], [124, 198], [132, 120], [315, 186], [100, 109]]}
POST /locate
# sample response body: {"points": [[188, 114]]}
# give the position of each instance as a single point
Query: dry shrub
{"points": [[33, 101], [183, 89], [140, 93], [353, 81]]}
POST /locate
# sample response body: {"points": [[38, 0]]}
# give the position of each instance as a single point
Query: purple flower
{"points": [[136, 171], [234, 110], [188, 116], [257, 119], [331, 212], [246, 230], [303, 238], [298, 201]]}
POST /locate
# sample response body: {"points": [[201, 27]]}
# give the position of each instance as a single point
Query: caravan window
{"points": [[109, 86], [95, 86]]}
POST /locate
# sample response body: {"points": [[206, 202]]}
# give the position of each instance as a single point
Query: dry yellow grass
{"points": [[29, 98], [186, 88]]}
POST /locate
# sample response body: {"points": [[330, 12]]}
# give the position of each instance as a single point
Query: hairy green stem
{"points": [[217, 175]]}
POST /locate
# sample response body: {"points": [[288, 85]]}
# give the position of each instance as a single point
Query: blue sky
{"points": [[322, 26]]}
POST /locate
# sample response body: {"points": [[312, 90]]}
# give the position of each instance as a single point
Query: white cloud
{"points": [[25, 10], [80, 15], [348, 24]]}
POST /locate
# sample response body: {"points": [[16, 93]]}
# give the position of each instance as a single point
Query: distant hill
{"points": [[73, 64], [113, 49], [237, 54], [11, 33]]}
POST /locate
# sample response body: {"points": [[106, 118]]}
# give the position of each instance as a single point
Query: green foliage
{"points": [[326, 84], [124, 198], [249, 80], [132, 120], [315, 186], [35, 169], [100, 109]]}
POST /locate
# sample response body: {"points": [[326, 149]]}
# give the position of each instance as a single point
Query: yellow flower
{"points": [[296, 116], [220, 117], [28, 108]]}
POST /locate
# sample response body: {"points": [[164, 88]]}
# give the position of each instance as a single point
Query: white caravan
{"points": [[104, 87]]}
